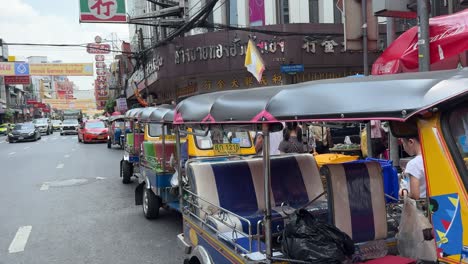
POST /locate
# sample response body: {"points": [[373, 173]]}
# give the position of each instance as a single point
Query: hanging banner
{"points": [[102, 11], [25, 80], [95, 48], [99, 57], [61, 69]]}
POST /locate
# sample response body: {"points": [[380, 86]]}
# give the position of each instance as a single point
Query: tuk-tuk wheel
{"points": [[151, 204], [109, 144], [126, 172]]}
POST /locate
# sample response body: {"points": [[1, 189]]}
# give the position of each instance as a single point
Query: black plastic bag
{"points": [[308, 239]]}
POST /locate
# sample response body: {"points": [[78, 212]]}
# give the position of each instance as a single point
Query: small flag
{"points": [[253, 61]]}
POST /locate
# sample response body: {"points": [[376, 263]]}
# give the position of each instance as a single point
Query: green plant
{"points": [[9, 115], [110, 104]]}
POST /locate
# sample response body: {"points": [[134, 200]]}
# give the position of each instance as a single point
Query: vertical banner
{"points": [[257, 13], [103, 11]]}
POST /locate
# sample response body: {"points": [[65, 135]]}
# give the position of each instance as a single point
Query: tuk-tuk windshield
{"points": [[222, 137], [155, 130], [458, 122]]}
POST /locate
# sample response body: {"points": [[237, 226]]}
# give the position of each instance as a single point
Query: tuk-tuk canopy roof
{"points": [[116, 117], [159, 114], [134, 113], [391, 97]]}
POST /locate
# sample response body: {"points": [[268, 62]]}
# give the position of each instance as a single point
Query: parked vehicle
{"points": [[117, 130], [69, 127], [56, 124], [236, 211], [44, 125], [92, 131], [4, 128], [24, 132], [131, 158]]}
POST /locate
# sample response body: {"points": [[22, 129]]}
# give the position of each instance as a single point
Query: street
{"points": [[63, 202]]}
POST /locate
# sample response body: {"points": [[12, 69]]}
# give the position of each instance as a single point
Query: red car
{"points": [[92, 131]]}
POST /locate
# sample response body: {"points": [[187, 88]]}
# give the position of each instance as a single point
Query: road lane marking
{"points": [[20, 240], [27, 148], [73, 149], [54, 138], [12, 153], [67, 156], [44, 187], [100, 178], [60, 166]]}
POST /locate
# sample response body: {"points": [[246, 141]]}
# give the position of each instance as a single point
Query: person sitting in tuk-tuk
{"points": [[414, 170]]}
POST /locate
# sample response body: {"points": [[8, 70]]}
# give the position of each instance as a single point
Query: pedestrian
{"points": [[275, 140], [377, 138], [292, 140], [414, 169], [322, 137]]}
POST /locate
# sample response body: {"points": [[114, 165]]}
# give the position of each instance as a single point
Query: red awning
{"points": [[448, 35]]}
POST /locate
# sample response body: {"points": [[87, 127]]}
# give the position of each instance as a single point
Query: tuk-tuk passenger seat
{"points": [[238, 186], [152, 151], [356, 200]]}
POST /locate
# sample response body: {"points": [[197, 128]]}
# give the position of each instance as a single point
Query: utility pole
{"points": [[392, 140], [370, 152], [423, 36], [450, 7]]}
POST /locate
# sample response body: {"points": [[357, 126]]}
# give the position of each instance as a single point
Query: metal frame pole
{"points": [[266, 173], [392, 140], [364, 37], [423, 36], [179, 167]]}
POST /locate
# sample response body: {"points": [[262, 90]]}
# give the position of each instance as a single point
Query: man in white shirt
{"points": [[415, 168], [275, 140]]}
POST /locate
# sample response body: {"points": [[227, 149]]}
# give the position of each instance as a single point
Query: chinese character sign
{"points": [[102, 11]]}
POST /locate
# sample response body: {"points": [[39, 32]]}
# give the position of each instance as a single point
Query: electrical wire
{"points": [[63, 45]]}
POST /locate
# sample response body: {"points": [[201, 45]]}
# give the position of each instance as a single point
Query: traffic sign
{"points": [[292, 68], [99, 57]]}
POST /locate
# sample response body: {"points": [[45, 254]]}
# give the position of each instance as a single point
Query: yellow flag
{"points": [[253, 61]]}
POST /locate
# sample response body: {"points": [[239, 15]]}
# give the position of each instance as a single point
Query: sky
{"points": [[54, 21]]}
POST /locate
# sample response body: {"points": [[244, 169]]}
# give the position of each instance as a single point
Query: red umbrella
{"points": [[447, 34]]}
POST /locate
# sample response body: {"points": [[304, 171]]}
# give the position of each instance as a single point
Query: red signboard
{"points": [[95, 48], [100, 64], [101, 78], [100, 72], [99, 57], [31, 102], [17, 80]]}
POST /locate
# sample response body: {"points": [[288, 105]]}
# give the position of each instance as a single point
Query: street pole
{"points": [[450, 7], [364, 37], [392, 140], [370, 152], [423, 35]]}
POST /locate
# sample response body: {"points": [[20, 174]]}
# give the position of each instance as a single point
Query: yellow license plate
{"points": [[226, 149], [100, 137]]}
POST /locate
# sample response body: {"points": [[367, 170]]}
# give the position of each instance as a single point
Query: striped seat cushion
{"points": [[356, 199], [238, 186]]}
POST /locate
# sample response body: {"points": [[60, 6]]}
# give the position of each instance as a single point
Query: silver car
{"points": [[44, 125], [69, 126]]}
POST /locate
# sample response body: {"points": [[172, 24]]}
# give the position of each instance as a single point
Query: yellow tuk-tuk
{"points": [[239, 210]]}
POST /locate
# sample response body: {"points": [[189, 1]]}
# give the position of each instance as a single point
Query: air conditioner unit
{"points": [[393, 8]]}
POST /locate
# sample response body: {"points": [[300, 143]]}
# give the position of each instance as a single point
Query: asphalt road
{"points": [[63, 202]]}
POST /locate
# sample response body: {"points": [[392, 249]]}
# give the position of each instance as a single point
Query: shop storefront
{"points": [[215, 61]]}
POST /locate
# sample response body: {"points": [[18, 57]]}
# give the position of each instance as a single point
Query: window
{"points": [[219, 137], [154, 130], [337, 19], [283, 11], [95, 125], [313, 11], [232, 15], [458, 123]]}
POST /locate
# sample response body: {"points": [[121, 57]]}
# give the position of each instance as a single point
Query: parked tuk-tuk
{"points": [[241, 210], [131, 157], [158, 178], [117, 131]]}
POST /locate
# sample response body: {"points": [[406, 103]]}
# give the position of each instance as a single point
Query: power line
{"points": [[63, 45]]}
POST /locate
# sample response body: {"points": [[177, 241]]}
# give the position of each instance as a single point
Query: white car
{"points": [[69, 126]]}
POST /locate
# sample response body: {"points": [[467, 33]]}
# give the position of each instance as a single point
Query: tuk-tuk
{"points": [[117, 131], [241, 210], [158, 186], [131, 157]]}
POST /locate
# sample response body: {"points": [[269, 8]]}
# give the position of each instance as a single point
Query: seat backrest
{"points": [[356, 199], [238, 185], [227, 184]]}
